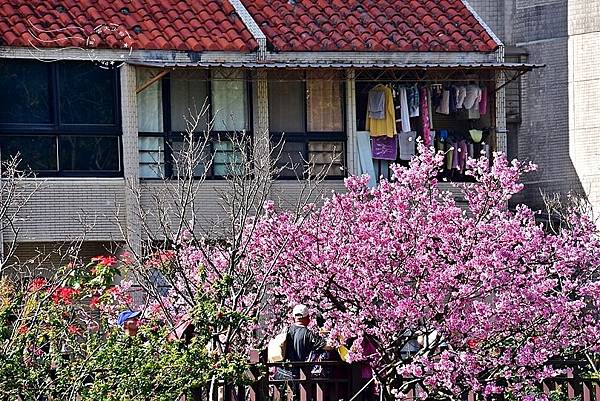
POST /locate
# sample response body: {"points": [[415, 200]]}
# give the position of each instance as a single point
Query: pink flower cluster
{"points": [[494, 293]]}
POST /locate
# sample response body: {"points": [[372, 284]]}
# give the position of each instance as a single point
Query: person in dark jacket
{"points": [[301, 341]]}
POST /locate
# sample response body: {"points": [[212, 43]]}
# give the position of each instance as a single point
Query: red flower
{"points": [[72, 329], [37, 283], [472, 343], [64, 295], [23, 330], [94, 301], [109, 261]]}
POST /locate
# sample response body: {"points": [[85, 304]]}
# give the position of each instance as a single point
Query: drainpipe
{"points": [[253, 27]]}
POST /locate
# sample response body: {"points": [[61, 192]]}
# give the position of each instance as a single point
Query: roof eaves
{"points": [[483, 23]]}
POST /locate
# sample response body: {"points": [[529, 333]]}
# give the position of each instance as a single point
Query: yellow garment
{"points": [[343, 352], [386, 126]]}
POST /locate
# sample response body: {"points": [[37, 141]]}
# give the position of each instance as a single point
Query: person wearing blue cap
{"points": [[129, 322]]}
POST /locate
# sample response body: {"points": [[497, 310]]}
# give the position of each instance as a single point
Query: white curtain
{"points": [[149, 102], [229, 101]]}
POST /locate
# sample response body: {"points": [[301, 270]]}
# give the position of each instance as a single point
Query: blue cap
{"points": [[126, 315]]}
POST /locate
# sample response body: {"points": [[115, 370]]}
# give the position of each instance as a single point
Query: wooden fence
{"points": [[344, 382]]}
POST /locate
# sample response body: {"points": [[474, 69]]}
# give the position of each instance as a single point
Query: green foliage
{"points": [[144, 367], [58, 343]]}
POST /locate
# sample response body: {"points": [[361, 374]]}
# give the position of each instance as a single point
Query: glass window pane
{"points": [[152, 157], [149, 102], [37, 153], [324, 105], [24, 92], [228, 159], [326, 158], [87, 93], [290, 159], [286, 103], [189, 100], [89, 153], [229, 100], [186, 158]]}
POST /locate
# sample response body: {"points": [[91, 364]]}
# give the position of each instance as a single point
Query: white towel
{"points": [[404, 110], [473, 96]]}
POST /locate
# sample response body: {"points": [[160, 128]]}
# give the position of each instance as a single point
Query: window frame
{"points": [[57, 129], [277, 137], [170, 136]]}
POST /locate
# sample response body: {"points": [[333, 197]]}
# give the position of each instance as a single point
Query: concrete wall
{"points": [[493, 13], [70, 209], [584, 95], [560, 118], [37, 257], [560, 127], [163, 211]]}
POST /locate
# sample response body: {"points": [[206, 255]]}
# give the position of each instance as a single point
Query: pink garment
{"points": [[370, 351], [483, 103], [424, 116]]}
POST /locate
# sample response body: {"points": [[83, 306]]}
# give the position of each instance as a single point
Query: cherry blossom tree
{"points": [[452, 296]]}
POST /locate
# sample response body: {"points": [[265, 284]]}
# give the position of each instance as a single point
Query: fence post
{"points": [[259, 387], [570, 384], [304, 384]]}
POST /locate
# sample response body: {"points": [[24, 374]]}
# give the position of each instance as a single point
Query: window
{"points": [[89, 153], [306, 122], [38, 152], [286, 104], [229, 95], [61, 119], [213, 104], [152, 157], [24, 92], [229, 159], [87, 94], [190, 157], [189, 91]]}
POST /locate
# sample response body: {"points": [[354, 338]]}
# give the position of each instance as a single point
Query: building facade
{"points": [[96, 100], [559, 118]]}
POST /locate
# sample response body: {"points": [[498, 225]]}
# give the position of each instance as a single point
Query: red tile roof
{"points": [[372, 25], [213, 25], [196, 25]]}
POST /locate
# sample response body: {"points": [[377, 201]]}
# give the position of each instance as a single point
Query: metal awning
{"points": [[436, 71], [343, 64]]}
